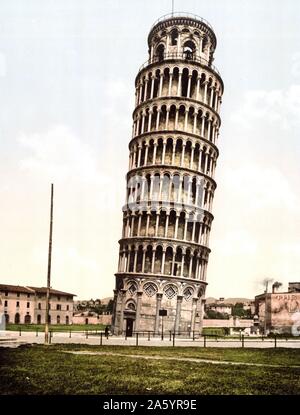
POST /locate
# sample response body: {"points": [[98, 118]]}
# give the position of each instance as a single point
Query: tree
{"points": [[110, 306]]}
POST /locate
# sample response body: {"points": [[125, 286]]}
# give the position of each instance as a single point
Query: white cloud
{"points": [[276, 106], [257, 187], [236, 242], [58, 154]]}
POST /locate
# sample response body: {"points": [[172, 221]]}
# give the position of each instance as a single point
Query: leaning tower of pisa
{"points": [[167, 217]]}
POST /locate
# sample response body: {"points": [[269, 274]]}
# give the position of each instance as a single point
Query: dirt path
{"points": [[179, 359]]}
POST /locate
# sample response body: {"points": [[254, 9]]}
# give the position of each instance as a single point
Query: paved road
{"points": [[13, 339]]}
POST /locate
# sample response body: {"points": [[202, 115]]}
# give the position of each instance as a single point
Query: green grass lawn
{"points": [[43, 369], [55, 327]]}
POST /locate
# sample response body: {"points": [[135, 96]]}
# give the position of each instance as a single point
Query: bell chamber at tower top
{"points": [[182, 37]]}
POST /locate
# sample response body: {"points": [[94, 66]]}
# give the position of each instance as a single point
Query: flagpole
{"points": [[49, 270]]}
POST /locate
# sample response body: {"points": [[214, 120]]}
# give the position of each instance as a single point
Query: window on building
{"points": [[58, 307], [18, 294], [58, 319], [67, 320], [174, 37], [28, 305], [17, 318], [28, 295], [39, 306], [39, 319], [18, 303], [68, 307], [58, 298], [6, 293], [5, 303]]}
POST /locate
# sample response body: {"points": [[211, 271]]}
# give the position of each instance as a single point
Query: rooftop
{"points": [[31, 290]]}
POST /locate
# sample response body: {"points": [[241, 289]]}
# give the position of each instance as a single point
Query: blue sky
{"points": [[67, 71]]}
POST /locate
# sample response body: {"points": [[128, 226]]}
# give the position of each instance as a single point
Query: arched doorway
{"points": [[27, 319], [67, 320], [129, 316], [39, 319], [17, 318]]}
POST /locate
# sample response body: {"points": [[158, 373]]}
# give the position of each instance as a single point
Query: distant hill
{"points": [[106, 300], [230, 300]]}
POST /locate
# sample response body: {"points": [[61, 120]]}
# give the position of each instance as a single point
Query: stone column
{"points": [[134, 158], [167, 118], [149, 121], [202, 125], [141, 91], [163, 261], [173, 153], [146, 155], [156, 224], [182, 155], [157, 119], [189, 87], [152, 87], [158, 307], [208, 129], [205, 164], [164, 151], [200, 312], [193, 231], [147, 223], [153, 260], [145, 92], [114, 330], [194, 310], [178, 43], [200, 159], [195, 122], [205, 92], [182, 265], [180, 190], [173, 262], [138, 309], [176, 225], [178, 312], [139, 223], [167, 224], [198, 88], [186, 119], [190, 265], [135, 259], [132, 225], [211, 96], [216, 100], [176, 119], [170, 84], [143, 123], [185, 228], [144, 258], [179, 84], [123, 295], [160, 84], [192, 156]]}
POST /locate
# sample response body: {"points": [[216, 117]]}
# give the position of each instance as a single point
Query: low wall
{"points": [[227, 323], [105, 319]]}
